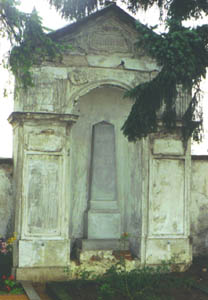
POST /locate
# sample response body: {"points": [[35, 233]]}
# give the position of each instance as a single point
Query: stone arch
{"points": [[85, 89]]}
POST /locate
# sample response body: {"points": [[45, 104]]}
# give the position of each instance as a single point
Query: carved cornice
{"points": [[20, 117]]}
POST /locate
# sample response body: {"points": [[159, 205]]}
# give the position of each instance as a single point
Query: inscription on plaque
{"points": [[108, 42]]}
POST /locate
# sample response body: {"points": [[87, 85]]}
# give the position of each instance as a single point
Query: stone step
{"points": [[29, 290], [104, 244]]}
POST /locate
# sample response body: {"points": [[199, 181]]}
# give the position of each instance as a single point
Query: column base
{"points": [[42, 253], [41, 274]]}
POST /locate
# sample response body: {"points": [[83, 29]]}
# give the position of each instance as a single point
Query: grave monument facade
{"points": [[79, 183]]}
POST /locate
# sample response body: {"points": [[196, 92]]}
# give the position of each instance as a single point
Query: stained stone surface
{"points": [[199, 204], [166, 212], [42, 183], [103, 225], [103, 168], [168, 147], [6, 198]]}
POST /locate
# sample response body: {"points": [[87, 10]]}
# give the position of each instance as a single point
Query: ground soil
{"points": [[198, 272], [41, 291]]}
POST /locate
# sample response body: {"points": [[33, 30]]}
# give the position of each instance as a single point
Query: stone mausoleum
{"points": [[78, 184]]}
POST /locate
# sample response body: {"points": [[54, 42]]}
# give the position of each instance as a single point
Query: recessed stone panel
{"points": [[111, 42], [167, 197], [45, 142], [43, 195], [129, 63], [168, 147], [44, 253], [159, 250]]}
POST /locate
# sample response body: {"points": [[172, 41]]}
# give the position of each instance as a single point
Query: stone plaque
{"points": [[43, 194]]}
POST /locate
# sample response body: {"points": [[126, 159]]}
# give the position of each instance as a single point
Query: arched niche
{"points": [[79, 93], [93, 216]]}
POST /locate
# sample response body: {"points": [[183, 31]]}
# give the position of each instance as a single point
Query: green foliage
{"points": [[177, 9], [142, 283], [161, 282], [34, 48], [182, 53], [9, 285], [12, 20], [75, 9], [31, 45], [183, 56]]}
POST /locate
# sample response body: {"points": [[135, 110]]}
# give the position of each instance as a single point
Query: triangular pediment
{"points": [[110, 30]]}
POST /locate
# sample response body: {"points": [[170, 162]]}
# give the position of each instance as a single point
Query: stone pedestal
{"points": [[41, 173], [166, 225]]}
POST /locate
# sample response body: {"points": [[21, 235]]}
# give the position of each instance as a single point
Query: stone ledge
{"points": [[104, 244]]}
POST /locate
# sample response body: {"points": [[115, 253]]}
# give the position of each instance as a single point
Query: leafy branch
{"points": [[183, 55]]}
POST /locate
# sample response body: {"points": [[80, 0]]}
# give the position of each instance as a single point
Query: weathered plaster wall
{"points": [[6, 197], [199, 204]]}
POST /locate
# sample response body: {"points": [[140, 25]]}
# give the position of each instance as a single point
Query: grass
{"points": [[143, 284]]}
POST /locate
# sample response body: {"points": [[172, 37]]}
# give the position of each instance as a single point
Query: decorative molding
{"points": [[78, 77], [19, 117]]}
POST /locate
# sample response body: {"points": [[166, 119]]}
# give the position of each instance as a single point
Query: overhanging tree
{"points": [[30, 43], [181, 51]]}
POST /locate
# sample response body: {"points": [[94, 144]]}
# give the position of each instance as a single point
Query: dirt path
{"points": [[40, 289]]}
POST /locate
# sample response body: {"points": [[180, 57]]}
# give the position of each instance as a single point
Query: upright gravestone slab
{"points": [[103, 216]]}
